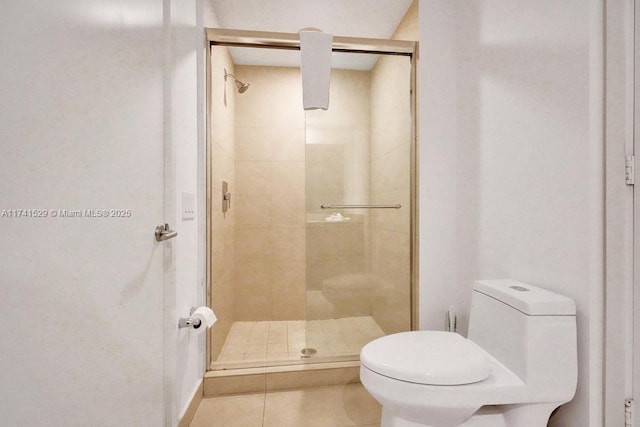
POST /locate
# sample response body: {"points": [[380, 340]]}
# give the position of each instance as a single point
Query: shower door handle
{"points": [[396, 206]]}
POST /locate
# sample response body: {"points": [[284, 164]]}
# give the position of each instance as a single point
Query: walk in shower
{"points": [[311, 214]]}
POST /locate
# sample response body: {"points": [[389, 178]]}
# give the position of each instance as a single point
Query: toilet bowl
{"points": [[518, 364]]}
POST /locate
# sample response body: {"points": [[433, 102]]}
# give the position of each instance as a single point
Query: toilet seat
{"points": [[426, 357]]}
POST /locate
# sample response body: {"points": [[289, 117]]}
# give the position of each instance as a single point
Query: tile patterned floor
{"points": [[330, 406], [284, 340]]}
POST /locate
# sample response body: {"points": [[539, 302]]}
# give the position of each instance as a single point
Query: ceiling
{"points": [[353, 18]]}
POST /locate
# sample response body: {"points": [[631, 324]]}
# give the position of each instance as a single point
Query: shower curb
{"points": [[260, 380]]}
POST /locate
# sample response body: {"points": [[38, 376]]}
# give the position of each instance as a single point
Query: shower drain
{"points": [[308, 352]]}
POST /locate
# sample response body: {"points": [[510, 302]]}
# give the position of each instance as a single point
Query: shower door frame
{"points": [[291, 41]]}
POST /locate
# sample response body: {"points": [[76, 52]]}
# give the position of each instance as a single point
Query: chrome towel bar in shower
{"points": [[396, 206]]}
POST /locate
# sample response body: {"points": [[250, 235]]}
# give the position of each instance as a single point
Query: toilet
{"points": [[518, 364]]}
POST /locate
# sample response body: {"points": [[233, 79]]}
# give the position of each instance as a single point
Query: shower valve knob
{"points": [[226, 197]]}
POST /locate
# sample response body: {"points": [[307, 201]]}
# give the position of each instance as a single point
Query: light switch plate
{"points": [[188, 205]]}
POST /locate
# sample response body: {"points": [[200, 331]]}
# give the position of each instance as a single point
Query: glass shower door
{"points": [[357, 193], [293, 282]]}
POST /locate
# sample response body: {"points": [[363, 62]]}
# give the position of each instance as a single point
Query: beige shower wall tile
{"points": [[273, 100], [225, 272], [253, 278], [327, 144], [253, 307], [287, 210], [391, 306], [391, 171], [358, 185], [350, 241], [325, 241], [287, 244], [361, 140], [400, 161], [270, 178], [393, 271], [398, 220], [253, 144], [390, 105], [224, 291], [382, 141], [392, 243], [219, 332], [218, 266], [252, 210], [269, 244], [317, 271], [287, 177], [222, 167], [288, 277], [288, 307], [325, 177], [395, 131], [222, 101], [392, 313], [390, 84], [275, 144], [288, 145], [269, 210], [384, 262], [253, 244], [253, 177]]}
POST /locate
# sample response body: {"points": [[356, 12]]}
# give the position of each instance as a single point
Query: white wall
{"points": [[102, 107], [188, 130], [81, 127], [619, 210], [511, 162]]}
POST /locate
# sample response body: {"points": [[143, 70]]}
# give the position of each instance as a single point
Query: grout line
{"points": [[264, 401]]}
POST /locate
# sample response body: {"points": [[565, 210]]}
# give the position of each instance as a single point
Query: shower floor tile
{"points": [[284, 340]]}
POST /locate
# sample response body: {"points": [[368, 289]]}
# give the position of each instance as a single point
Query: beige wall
{"points": [[279, 254], [390, 181], [222, 225], [269, 196]]}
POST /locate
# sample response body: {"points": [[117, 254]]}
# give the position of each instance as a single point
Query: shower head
{"points": [[241, 86]]}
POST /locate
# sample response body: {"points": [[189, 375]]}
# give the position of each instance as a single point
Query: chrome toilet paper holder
{"points": [[190, 322]]}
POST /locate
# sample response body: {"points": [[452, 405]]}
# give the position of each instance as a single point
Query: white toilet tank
{"points": [[530, 330]]}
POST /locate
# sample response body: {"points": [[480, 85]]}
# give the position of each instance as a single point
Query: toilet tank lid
{"points": [[528, 299]]}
